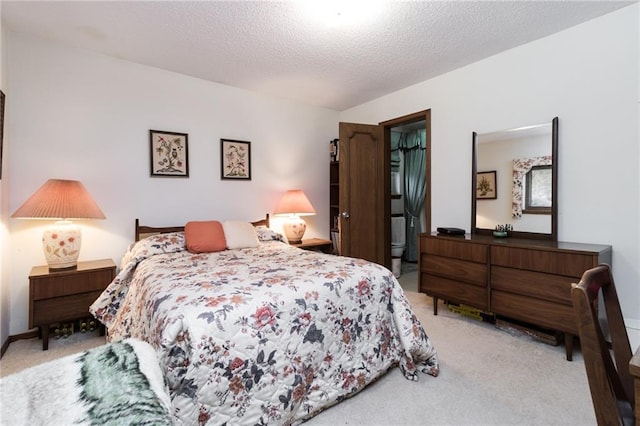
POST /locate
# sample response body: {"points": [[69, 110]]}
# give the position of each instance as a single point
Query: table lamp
{"points": [[294, 203], [63, 200]]}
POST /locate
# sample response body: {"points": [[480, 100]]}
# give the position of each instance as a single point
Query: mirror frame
{"points": [[553, 236]]}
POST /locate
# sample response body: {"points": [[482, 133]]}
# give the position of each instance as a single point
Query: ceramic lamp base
{"points": [[61, 244], [294, 229]]}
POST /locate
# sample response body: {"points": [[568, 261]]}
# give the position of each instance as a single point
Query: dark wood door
{"points": [[365, 172]]}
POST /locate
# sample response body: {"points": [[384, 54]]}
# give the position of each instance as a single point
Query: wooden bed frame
{"points": [[143, 231]]}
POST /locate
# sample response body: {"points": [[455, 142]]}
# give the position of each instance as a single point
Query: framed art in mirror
{"points": [[1, 127], [486, 187]]}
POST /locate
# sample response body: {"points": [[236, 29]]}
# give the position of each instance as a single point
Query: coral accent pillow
{"points": [[204, 237], [240, 234]]}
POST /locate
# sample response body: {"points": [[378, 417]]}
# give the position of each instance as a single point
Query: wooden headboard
{"points": [[143, 231]]}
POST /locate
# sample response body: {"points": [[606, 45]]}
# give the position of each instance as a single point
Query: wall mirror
{"points": [[514, 181]]}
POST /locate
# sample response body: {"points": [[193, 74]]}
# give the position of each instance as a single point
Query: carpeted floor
{"points": [[25, 353], [488, 377]]}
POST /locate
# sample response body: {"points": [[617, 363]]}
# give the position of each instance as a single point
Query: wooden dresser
{"points": [[634, 369], [521, 279]]}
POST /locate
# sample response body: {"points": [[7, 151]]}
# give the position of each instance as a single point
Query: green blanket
{"points": [[115, 384]]}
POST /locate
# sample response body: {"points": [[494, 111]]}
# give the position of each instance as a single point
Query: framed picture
{"points": [[1, 127], [333, 149], [235, 159], [486, 187], [169, 153]]}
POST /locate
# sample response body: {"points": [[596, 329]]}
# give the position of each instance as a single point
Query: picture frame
{"points": [[235, 159], [333, 149], [1, 127], [486, 186], [169, 153]]}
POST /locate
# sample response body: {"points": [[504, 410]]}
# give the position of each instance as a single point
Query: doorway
{"points": [[408, 188], [365, 186], [410, 212]]}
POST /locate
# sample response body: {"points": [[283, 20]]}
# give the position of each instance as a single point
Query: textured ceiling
{"points": [[287, 50]]}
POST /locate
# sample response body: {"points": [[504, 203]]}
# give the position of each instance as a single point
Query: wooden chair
{"points": [[610, 382]]}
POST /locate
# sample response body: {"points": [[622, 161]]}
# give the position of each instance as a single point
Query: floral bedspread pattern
{"points": [[267, 335]]}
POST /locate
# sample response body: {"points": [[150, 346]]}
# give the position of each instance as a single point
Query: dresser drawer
{"points": [[471, 272], [551, 315], [552, 262], [554, 288], [449, 247], [454, 291]]}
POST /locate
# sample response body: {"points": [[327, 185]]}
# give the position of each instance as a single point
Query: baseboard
{"points": [[5, 346], [633, 331], [15, 338]]}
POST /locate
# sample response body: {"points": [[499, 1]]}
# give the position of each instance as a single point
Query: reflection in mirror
{"points": [[522, 161]]}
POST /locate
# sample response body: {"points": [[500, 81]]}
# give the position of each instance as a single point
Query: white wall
{"points": [[79, 115], [73, 114], [4, 232], [588, 77]]}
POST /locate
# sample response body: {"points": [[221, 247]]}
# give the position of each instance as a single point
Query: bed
{"points": [[264, 334]]}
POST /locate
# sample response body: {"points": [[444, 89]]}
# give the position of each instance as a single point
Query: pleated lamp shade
{"points": [[295, 204], [63, 200]]}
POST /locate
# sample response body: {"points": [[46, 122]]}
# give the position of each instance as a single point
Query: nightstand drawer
{"points": [[55, 286], [317, 244], [57, 295], [65, 308]]}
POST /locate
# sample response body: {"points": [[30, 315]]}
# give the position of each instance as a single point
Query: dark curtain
{"points": [[413, 146], [395, 151]]}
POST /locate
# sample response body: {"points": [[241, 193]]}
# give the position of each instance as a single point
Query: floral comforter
{"points": [[271, 334]]}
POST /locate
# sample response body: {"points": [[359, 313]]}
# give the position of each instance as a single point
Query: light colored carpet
{"points": [[28, 352], [488, 377]]}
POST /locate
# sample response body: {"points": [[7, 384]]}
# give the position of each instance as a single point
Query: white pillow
{"points": [[240, 234]]}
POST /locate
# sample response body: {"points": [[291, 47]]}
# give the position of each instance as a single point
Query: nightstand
{"points": [[318, 244], [57, 295]]}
